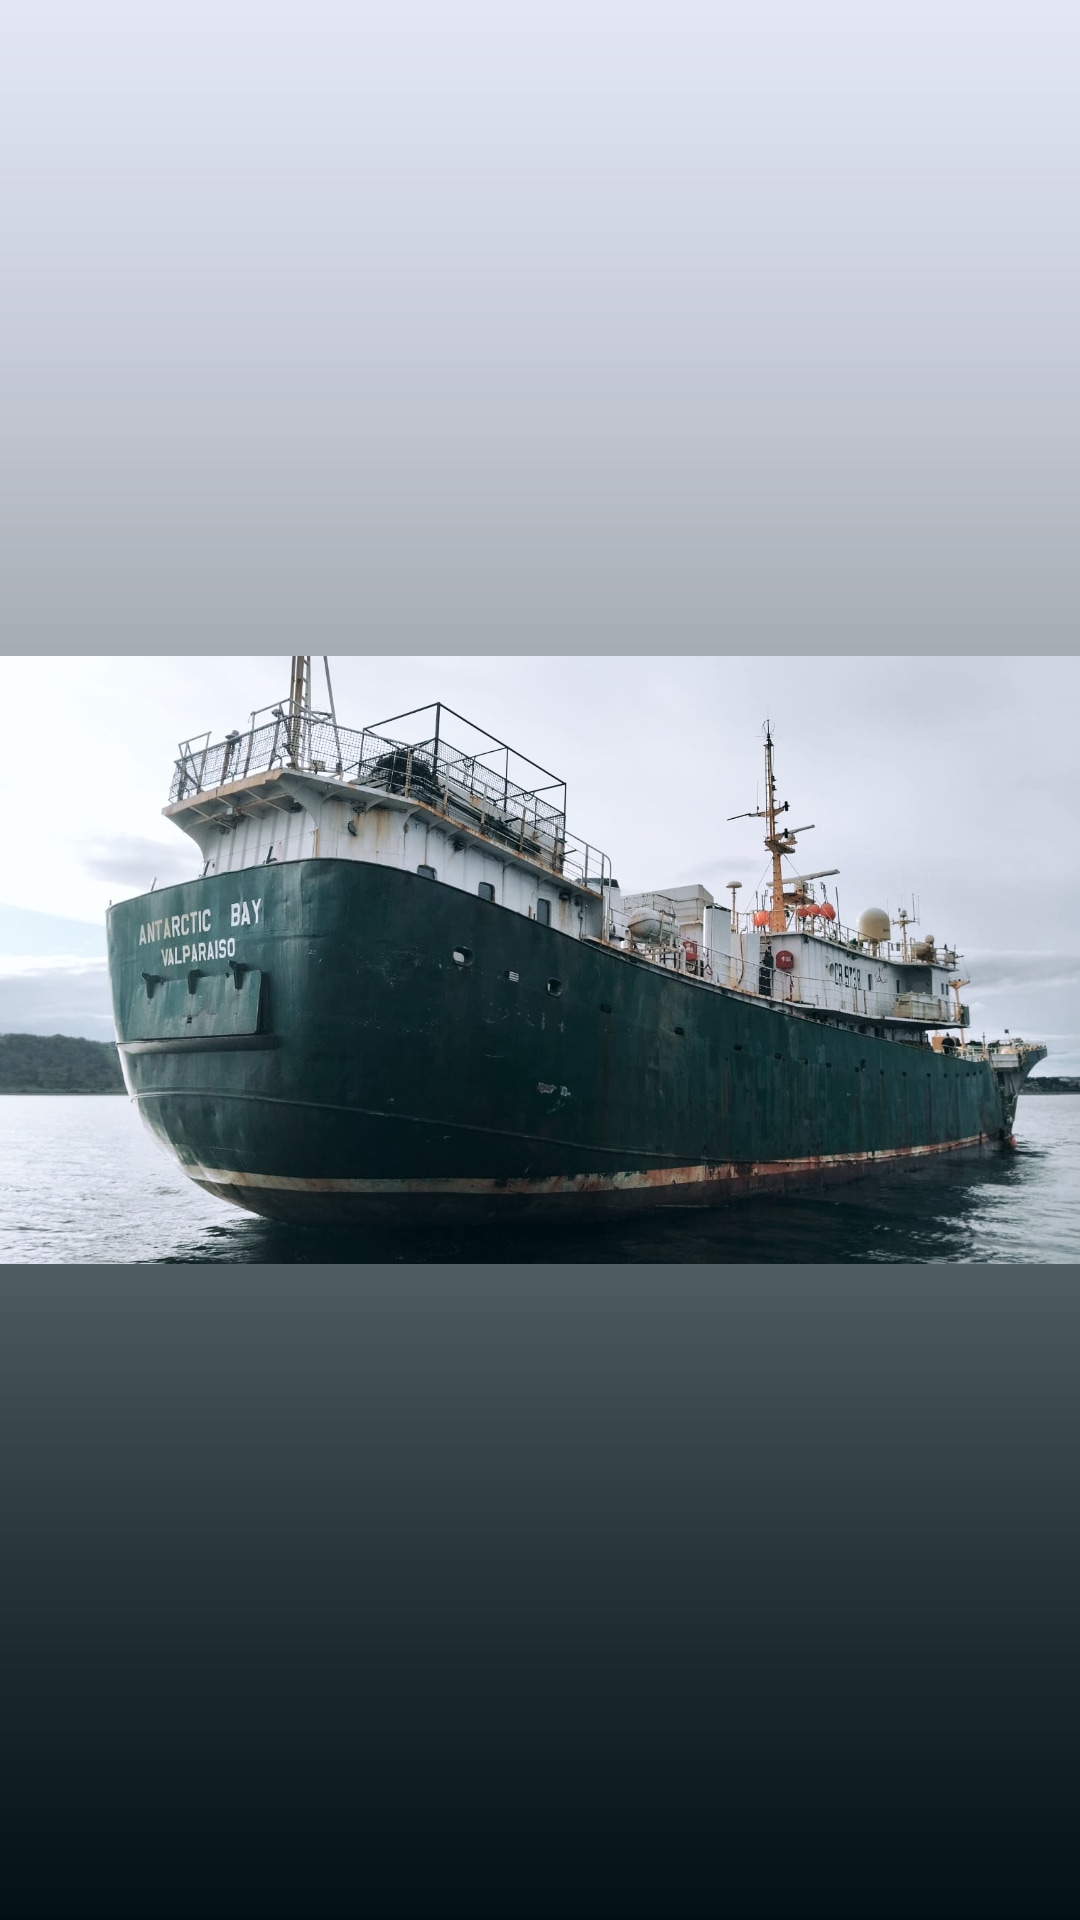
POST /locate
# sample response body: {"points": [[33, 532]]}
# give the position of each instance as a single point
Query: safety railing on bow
{"points": [[477, 780]]}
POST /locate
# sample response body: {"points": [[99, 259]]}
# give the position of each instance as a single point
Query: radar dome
{"points": [[874, 924]]}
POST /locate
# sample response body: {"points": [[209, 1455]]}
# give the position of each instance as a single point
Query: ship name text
{"points": [[848, 976], [198, 950], [242, 913]]}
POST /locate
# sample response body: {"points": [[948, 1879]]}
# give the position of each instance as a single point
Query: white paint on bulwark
{"points": [[244, 913]]}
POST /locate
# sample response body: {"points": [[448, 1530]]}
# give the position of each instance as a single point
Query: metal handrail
{"points": [[433, 771]]}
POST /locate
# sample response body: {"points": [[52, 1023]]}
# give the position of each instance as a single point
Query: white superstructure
{"points": [[480, 820]]}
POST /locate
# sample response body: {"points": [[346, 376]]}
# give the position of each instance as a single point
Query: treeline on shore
{"points": [[58, 1063]]}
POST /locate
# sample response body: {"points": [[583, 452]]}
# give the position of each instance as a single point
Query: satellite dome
{"points": [[874, 924]]}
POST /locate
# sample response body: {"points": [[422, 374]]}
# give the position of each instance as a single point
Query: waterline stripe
{"points": [[698, 1175]]}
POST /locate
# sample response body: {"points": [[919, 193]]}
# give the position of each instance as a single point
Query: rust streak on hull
{"points": [[330, 1201]]}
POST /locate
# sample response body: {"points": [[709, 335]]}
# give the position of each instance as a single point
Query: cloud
{"points": [[128, 860], [49, 994], [39, 936], [995, 973], [32, 966]]}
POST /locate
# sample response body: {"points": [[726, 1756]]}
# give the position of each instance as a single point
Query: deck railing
{"points": [[459, 782]]}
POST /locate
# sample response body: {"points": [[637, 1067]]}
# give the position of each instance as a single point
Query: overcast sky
{"points": [[539, 325], [563, 328], [953, 779]]}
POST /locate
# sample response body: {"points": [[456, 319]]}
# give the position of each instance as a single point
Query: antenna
{"points": [[779, 841], [299, 703], [333, 714], [776, 843]]}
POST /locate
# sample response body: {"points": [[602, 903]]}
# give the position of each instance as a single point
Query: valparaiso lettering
{"points": [[200, 950]]}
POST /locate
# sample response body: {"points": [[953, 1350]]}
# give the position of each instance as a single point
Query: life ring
{"points": [[785, 960]]}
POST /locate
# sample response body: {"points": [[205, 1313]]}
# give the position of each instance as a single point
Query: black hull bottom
{"points": [[449, 1202]]}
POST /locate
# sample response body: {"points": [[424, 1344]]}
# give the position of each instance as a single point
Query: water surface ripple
{"points": [[82, 1180]]}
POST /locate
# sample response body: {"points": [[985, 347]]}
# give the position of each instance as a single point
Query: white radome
{"points": [[874, 924]]}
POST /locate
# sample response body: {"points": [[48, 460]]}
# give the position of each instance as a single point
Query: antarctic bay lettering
{"points": [[242, 913], [176, 924]]}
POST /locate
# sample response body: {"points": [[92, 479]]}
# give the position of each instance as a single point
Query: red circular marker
{"points": [[785, 960]]}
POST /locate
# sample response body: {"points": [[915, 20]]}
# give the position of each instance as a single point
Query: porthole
{"points": [[427, 873], [679, 1030], [485, 890], [463, 956], [604, 1008], [554, 986]]}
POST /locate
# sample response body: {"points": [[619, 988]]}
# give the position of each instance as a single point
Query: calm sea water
{"points": [[600, 1591], [82, 1180]]}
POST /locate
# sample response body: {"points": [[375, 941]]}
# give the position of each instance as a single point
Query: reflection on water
{"points": [[974, 1214], [81, 1180]]}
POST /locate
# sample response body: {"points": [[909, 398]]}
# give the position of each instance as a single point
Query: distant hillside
{"points": [[1050, 1083], [56, 1063]]}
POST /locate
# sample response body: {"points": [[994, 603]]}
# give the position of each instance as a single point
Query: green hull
{"points": [[325, 1056]]}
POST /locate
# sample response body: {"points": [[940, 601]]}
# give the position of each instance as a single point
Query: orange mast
{"points": [[777, 842]]}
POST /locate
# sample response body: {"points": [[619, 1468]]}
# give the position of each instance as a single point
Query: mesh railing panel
{"points": [[442, 775]]}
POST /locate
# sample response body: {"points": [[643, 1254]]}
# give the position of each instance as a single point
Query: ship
{"points": [[399, 989]]}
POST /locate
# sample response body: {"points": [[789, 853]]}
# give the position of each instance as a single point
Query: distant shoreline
{"points": [[33, 1063]]}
